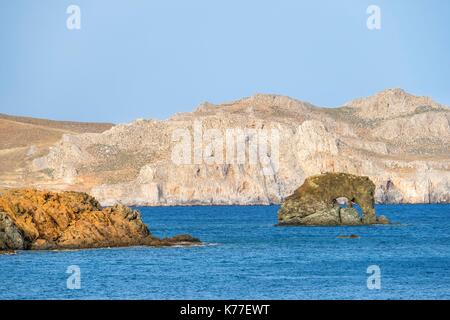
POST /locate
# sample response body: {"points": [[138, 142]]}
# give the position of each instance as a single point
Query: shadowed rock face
{"points": [[316, 201], [39, 220]]}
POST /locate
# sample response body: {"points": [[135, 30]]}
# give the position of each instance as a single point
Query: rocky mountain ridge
{"points": [[402, 142]]}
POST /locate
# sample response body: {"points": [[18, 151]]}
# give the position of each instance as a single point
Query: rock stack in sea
{"points": [[316, 202]]}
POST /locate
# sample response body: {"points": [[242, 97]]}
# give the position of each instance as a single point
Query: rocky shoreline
{"points": [[42, 220]]}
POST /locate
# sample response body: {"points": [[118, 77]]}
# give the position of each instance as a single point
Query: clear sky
{"points": [[149, 59]]}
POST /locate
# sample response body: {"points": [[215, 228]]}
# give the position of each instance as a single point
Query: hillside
{"points": [[402, 142], [24, 138]]}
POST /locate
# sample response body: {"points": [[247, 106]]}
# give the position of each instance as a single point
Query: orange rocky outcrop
{"points": [[39, 220]]}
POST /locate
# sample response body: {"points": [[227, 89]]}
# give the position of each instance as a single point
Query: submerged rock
{"points": [[352, 236], [316, 202], [42, 220]]}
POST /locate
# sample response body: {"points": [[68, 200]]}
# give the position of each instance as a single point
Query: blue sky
{"points": [[149, 59]]}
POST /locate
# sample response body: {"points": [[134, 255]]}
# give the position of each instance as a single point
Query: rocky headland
{"points": [[318, 202], [43, 220]]}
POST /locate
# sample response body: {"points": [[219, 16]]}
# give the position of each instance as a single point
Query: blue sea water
{"points": [[246, 257]]}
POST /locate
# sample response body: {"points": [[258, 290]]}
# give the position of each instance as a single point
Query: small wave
{"points": [[187, 245]]}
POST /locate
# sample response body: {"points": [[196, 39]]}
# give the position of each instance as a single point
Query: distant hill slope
{"points": [[22, 138], [401, 141], [16, 131]]}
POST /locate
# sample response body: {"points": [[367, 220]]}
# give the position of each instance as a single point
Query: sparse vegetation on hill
{"points": [[402, 142]]}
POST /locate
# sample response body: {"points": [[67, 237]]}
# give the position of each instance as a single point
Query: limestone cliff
{"points": [[32, 219], [400, 141]]}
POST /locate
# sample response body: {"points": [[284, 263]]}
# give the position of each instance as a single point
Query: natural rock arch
{"points": [[314, 203]]}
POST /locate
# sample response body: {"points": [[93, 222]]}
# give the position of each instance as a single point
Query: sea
{"points": [[244, 255]]}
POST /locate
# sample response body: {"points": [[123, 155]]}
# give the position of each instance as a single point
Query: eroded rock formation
{"points": [[316, 202], [39, 220]]}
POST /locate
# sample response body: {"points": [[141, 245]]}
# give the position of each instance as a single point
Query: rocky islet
{"points": [[316, 202]]}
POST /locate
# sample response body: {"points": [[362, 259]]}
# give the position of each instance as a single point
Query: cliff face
{"points": [[401, 142], [40, 220]]}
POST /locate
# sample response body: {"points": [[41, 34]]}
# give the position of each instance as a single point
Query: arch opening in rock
{"points": [[349, 212], [342, 202], [345, 203]]}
